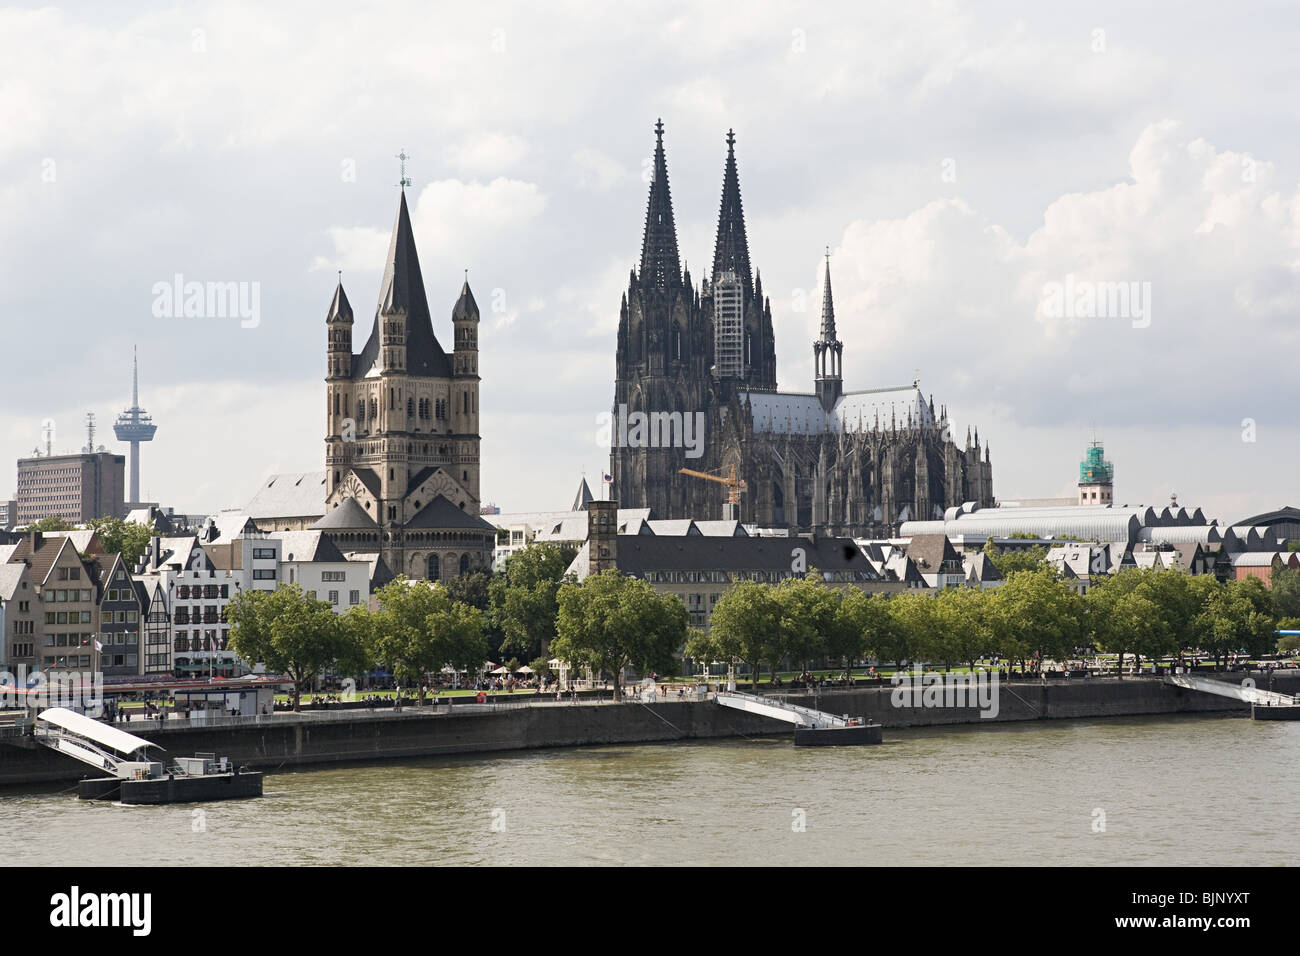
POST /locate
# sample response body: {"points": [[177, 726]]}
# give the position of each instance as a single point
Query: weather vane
{"points": [[404, 181]]}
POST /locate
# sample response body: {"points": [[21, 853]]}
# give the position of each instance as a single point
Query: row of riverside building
{"points": [[66, 604]]}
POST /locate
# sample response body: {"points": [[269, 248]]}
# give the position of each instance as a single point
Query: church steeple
{"points": [[731, 252], [828, 351], [660, 265]]}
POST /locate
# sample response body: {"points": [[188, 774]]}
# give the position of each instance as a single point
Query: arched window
{"points": [[464, 563], [433, 567], [676, 347], [410, 408]]}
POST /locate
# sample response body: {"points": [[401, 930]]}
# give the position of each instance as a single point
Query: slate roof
{"points": [[347, 516], [402, 290], [307, 546], [583, 497], [290, 495], [799, 414], [441, 513], [640, 553]]}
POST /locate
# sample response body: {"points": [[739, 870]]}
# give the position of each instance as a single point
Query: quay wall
{"points": [[289, 740]]}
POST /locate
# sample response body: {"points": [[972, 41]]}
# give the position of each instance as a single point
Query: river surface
{"points": [[1161, 791]]}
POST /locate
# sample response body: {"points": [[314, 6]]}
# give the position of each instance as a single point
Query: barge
{"points": [[133, 778]]}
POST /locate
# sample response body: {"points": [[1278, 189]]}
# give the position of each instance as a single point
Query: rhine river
{"points": [[1169, 791]]}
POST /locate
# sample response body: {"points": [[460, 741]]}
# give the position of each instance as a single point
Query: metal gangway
{"points": [[782, 710], [1248, 693], [92, 742]]}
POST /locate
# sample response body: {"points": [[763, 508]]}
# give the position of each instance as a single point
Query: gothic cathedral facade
{"points": [[828, 461]]}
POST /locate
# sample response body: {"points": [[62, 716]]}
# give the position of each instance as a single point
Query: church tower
{"points": [[661, 365], [464, 319], [828, 351], [402, 436], [744, 344]]}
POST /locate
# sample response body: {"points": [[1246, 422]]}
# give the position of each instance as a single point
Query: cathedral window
{"points": [[410, 408]]}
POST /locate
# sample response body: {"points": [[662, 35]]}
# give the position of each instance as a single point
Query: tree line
{"points": [[611, 622]]}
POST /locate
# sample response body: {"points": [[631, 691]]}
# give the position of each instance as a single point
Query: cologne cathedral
{"points": [[827, 461]]}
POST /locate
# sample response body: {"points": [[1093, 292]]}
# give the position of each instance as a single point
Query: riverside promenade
{"points": [[281, 740]]}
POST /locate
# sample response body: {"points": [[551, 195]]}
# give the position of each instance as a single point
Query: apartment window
{"points": [[51, 617], [85, 617], [264, 554], [354, 597], [334, 597], [86, 596], [333, 576], [132, 617], [264, 574], [74, 574]]}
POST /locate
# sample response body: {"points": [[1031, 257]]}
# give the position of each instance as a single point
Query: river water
{"points": [[1163, 791]]}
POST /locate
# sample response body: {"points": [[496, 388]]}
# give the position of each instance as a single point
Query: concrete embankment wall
{"points": [[291, 740]]}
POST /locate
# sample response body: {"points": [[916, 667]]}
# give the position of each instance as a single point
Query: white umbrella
{"points": [[525, 670], [501, 670]]}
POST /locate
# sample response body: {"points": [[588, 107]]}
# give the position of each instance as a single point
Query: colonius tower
{"points": [[402, 428], [828, 461]]}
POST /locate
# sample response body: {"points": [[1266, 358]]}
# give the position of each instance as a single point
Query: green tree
{"points": [[702, 648], [523, 599], [289, 632], [1238, 618], [49, 523], [1009, 562], [917, 622], [964, 624], [1285, 585], [1034, 612], [746, 623], [473, 589], [807, 609], [611, 622], [419, 629], [129, 537]]}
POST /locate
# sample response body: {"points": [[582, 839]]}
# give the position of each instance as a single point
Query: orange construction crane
{"points": [[734, 485]]}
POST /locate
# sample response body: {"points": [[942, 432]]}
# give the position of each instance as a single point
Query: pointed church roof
{"points": [[402, 290], [348, 515], [583, 498], [731, 251], [340, 307], [828, 306], [466, 307], [660, 265]]}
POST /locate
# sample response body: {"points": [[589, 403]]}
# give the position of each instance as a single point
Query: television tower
{"points": [[134, 425]]}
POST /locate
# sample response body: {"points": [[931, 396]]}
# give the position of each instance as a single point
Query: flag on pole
{"points": [[98, 646]]}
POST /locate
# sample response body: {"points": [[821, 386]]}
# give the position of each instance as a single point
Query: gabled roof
{"points": [[11, 576], [348, 515], [402, 293], [932, 553], [721, 529], [85, 540], [379, 571], [291, 495], [441, 513], [674, 527], [307, 546]]}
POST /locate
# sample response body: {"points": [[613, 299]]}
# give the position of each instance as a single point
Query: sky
{"points": [[988, 178]]}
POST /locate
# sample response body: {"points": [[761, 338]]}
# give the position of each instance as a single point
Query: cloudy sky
{"points": [[966, 164]]}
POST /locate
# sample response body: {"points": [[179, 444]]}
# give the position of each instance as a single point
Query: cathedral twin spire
{"points": [[660, 266]]}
